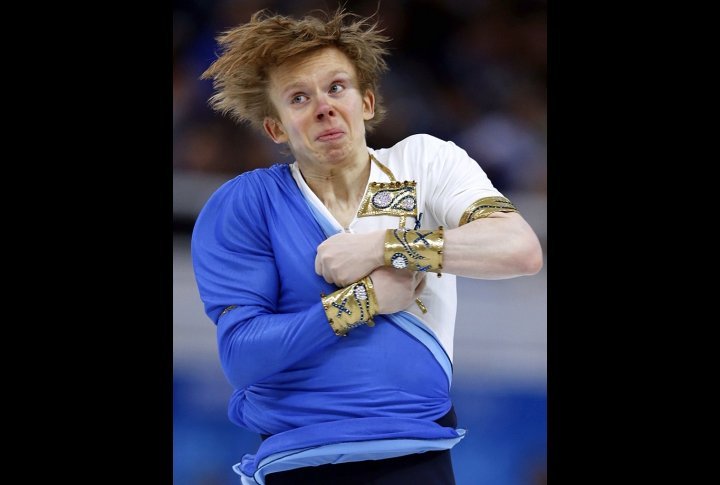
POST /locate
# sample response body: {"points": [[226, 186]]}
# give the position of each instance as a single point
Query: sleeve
{"points": [[235, 268], [453, 181]]}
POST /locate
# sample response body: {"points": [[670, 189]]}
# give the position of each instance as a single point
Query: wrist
{"points": [[351, 306], [415, 250], [379, 254]]}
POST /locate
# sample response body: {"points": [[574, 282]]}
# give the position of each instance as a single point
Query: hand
{"points": [[396, 289], [345, 258]]}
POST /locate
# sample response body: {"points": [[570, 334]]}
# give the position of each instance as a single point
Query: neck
{"points": [[342, 184]]}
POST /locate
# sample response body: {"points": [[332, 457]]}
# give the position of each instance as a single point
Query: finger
{"points": [[318, 266], [329, 280], [328, 276]]}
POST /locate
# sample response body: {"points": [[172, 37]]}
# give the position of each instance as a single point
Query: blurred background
{"points": [[470, 71]]}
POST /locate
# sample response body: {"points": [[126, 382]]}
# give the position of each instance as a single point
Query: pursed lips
{"points": [[328, 135]]}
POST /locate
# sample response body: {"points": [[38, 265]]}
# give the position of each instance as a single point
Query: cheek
{"points": [[300, 122], [297, 134], [292, 126], [360, 108]]}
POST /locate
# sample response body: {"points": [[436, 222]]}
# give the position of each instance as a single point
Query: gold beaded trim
{"points": [[486, 206], [389, 198], [416, 250], [351, 306], [392, 198]]}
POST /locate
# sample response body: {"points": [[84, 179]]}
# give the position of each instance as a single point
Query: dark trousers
{"points": [[429, 468]]}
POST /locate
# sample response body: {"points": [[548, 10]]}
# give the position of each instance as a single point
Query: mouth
{"points": [[330, 135]]}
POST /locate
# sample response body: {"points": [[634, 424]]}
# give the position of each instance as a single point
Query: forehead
{"points": [[311, 65]]}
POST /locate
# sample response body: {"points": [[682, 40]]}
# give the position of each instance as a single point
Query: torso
{"points": [[428, 162]]}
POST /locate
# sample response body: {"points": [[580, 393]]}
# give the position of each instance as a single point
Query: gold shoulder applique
{"points": [[389, 199], [486, 206], [392, 198]]}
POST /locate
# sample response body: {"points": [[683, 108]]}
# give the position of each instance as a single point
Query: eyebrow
{"points": [[301, 84]]}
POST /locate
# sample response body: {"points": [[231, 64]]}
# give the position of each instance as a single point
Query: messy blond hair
{"points": [[249, 51]]}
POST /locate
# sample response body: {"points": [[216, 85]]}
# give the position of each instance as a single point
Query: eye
{"points": [[298, 98], [336, 88]]}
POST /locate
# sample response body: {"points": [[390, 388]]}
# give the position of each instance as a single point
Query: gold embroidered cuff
{"points": [[351, 306], [484, 207], [416, 250]]}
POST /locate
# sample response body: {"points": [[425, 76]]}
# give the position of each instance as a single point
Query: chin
{"points": [[338, 153]]}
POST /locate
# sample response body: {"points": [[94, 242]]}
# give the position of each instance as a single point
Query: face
{"points": [[320, 108]]}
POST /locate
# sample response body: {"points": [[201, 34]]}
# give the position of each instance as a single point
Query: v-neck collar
{"points": [[375, 174]]}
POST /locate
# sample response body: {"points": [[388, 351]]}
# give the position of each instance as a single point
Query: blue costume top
{"points": [[324, 399]]}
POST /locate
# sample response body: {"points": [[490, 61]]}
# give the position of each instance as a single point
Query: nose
{"points": [[324, 109]]}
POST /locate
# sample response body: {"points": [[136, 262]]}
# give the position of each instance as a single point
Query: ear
{"points": [[368, 105], [274, 130]]}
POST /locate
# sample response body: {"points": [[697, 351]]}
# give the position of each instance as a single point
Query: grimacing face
{"points": [[320, 108]]}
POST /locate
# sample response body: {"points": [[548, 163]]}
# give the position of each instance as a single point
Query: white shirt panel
{"points": [[448, 181]]}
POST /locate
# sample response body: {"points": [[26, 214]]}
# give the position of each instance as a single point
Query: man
{"points": [[337, 344]]}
